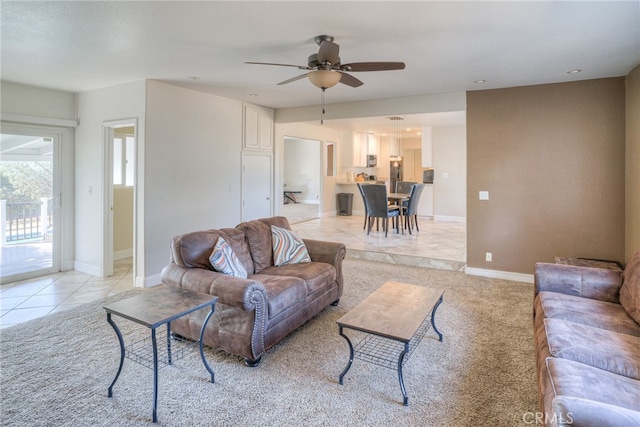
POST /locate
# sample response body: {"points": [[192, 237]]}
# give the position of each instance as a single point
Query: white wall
{"points": [[301, 169], [37, 102], [192, 167], [450, 164], [125, 101]]}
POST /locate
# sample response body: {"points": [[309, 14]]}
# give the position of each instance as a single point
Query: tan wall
{"points": [[122, 219], [632, 167], [552, 159]]}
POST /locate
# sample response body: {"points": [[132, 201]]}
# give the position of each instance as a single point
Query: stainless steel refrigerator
{"points": [[395, 174]]}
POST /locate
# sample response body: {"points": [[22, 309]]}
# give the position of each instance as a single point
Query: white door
{"points": [[256, 186]]}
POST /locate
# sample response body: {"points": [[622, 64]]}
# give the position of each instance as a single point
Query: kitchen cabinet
{"points": [[427, 148], [258, 128], [425, 204], [363, 145]]}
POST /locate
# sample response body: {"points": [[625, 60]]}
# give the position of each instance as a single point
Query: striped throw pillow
{"points": [[223, 260], [288, 247]]}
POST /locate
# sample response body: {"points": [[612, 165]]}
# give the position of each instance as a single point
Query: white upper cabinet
{"points": [[363, 145], [258, 128]]}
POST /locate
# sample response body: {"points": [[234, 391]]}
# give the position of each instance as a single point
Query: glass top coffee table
{"points": [[154, 308], [395, 318]]}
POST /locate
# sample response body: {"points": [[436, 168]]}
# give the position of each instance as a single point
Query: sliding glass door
{"points": [[29, 231]]}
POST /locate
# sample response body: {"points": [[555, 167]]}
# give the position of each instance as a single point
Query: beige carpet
{"points": [[55, 371]]}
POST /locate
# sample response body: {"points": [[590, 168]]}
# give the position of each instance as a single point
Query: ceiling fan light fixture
{"points": [[324, 79]]}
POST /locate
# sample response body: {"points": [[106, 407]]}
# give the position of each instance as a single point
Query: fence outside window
{"points": [[25, 221]]}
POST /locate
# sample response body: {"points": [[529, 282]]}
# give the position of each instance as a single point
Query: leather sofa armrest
{"points": [[596, 283], [232, 291], [330, 252]]}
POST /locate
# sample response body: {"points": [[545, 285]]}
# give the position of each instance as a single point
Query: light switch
{"points": [[484, 195], [445, 174]]}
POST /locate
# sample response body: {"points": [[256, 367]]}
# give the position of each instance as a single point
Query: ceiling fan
{"points": [[326, 70]]}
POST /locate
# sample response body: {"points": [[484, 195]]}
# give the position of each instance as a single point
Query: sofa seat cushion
{"points": [[630, 290], [573, 379], [610, 351], [317, 275], [586, 311], [282, 291]]}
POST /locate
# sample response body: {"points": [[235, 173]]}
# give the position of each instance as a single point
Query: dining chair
{"points": [[366, 216], [404, 186], [375, 200], [410, 212]]}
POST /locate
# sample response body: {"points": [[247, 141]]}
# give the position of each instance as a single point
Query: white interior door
{"points": [[257, 179]]}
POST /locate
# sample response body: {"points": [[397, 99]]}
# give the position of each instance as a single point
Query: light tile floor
{"points": [[436, 245], [31, 298]]}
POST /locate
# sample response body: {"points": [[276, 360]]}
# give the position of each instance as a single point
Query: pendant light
{"points": [[394, 139]]}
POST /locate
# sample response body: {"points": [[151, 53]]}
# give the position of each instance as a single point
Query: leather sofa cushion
{"points": [[583, 412], [586, 311], [317, 275], [630, 290], [577, 380], [610, 351], [282, 292], [192, 250], [258, 235]]}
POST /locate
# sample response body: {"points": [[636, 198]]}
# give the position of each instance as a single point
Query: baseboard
{"points": [[147, 282], [125, 253], [447, 218], [497, 274], [86, 268]]}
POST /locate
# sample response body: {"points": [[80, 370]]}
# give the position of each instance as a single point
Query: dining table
{"points": [[398, 199]]}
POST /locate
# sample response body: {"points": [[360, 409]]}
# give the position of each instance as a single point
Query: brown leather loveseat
{"points": [[253, 314], [587, 335]]}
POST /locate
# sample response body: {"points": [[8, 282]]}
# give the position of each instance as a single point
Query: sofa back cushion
{"points": [[630, 290], [193, 250], [258, 236]]}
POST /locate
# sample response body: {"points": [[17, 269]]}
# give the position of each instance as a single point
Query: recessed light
{"points": [[480, 81], [253, 94], [194, 78], [574, 71]]}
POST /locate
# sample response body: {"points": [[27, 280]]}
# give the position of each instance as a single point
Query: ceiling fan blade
{"points": [[349, 80], [328, 52], [302, 67], [293, 79], [373, 66]]}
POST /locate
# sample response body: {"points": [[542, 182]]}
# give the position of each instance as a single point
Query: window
{"points": [[123, 160]]}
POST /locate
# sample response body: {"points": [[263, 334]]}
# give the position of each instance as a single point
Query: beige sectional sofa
{"points": [[253, 314], [587, 336]]}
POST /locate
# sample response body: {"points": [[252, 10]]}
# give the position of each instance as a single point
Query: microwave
{"points": [[372, 160], [427, 176]]}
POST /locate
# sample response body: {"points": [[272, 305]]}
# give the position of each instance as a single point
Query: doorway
{"points": [[120, 147], [302, 179], [29, 203]]}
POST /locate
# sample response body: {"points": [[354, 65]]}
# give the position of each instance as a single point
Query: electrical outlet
{"points": [[483, 195], [488, 257]]}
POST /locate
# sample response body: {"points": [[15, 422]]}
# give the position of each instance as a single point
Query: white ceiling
{"points": [[81, 46]]}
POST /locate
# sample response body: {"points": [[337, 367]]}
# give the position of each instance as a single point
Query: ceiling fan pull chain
{"points": [[322, 106]]}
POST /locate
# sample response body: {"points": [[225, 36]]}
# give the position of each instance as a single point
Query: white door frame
{"points": [[106, 262], [56, 134]]}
